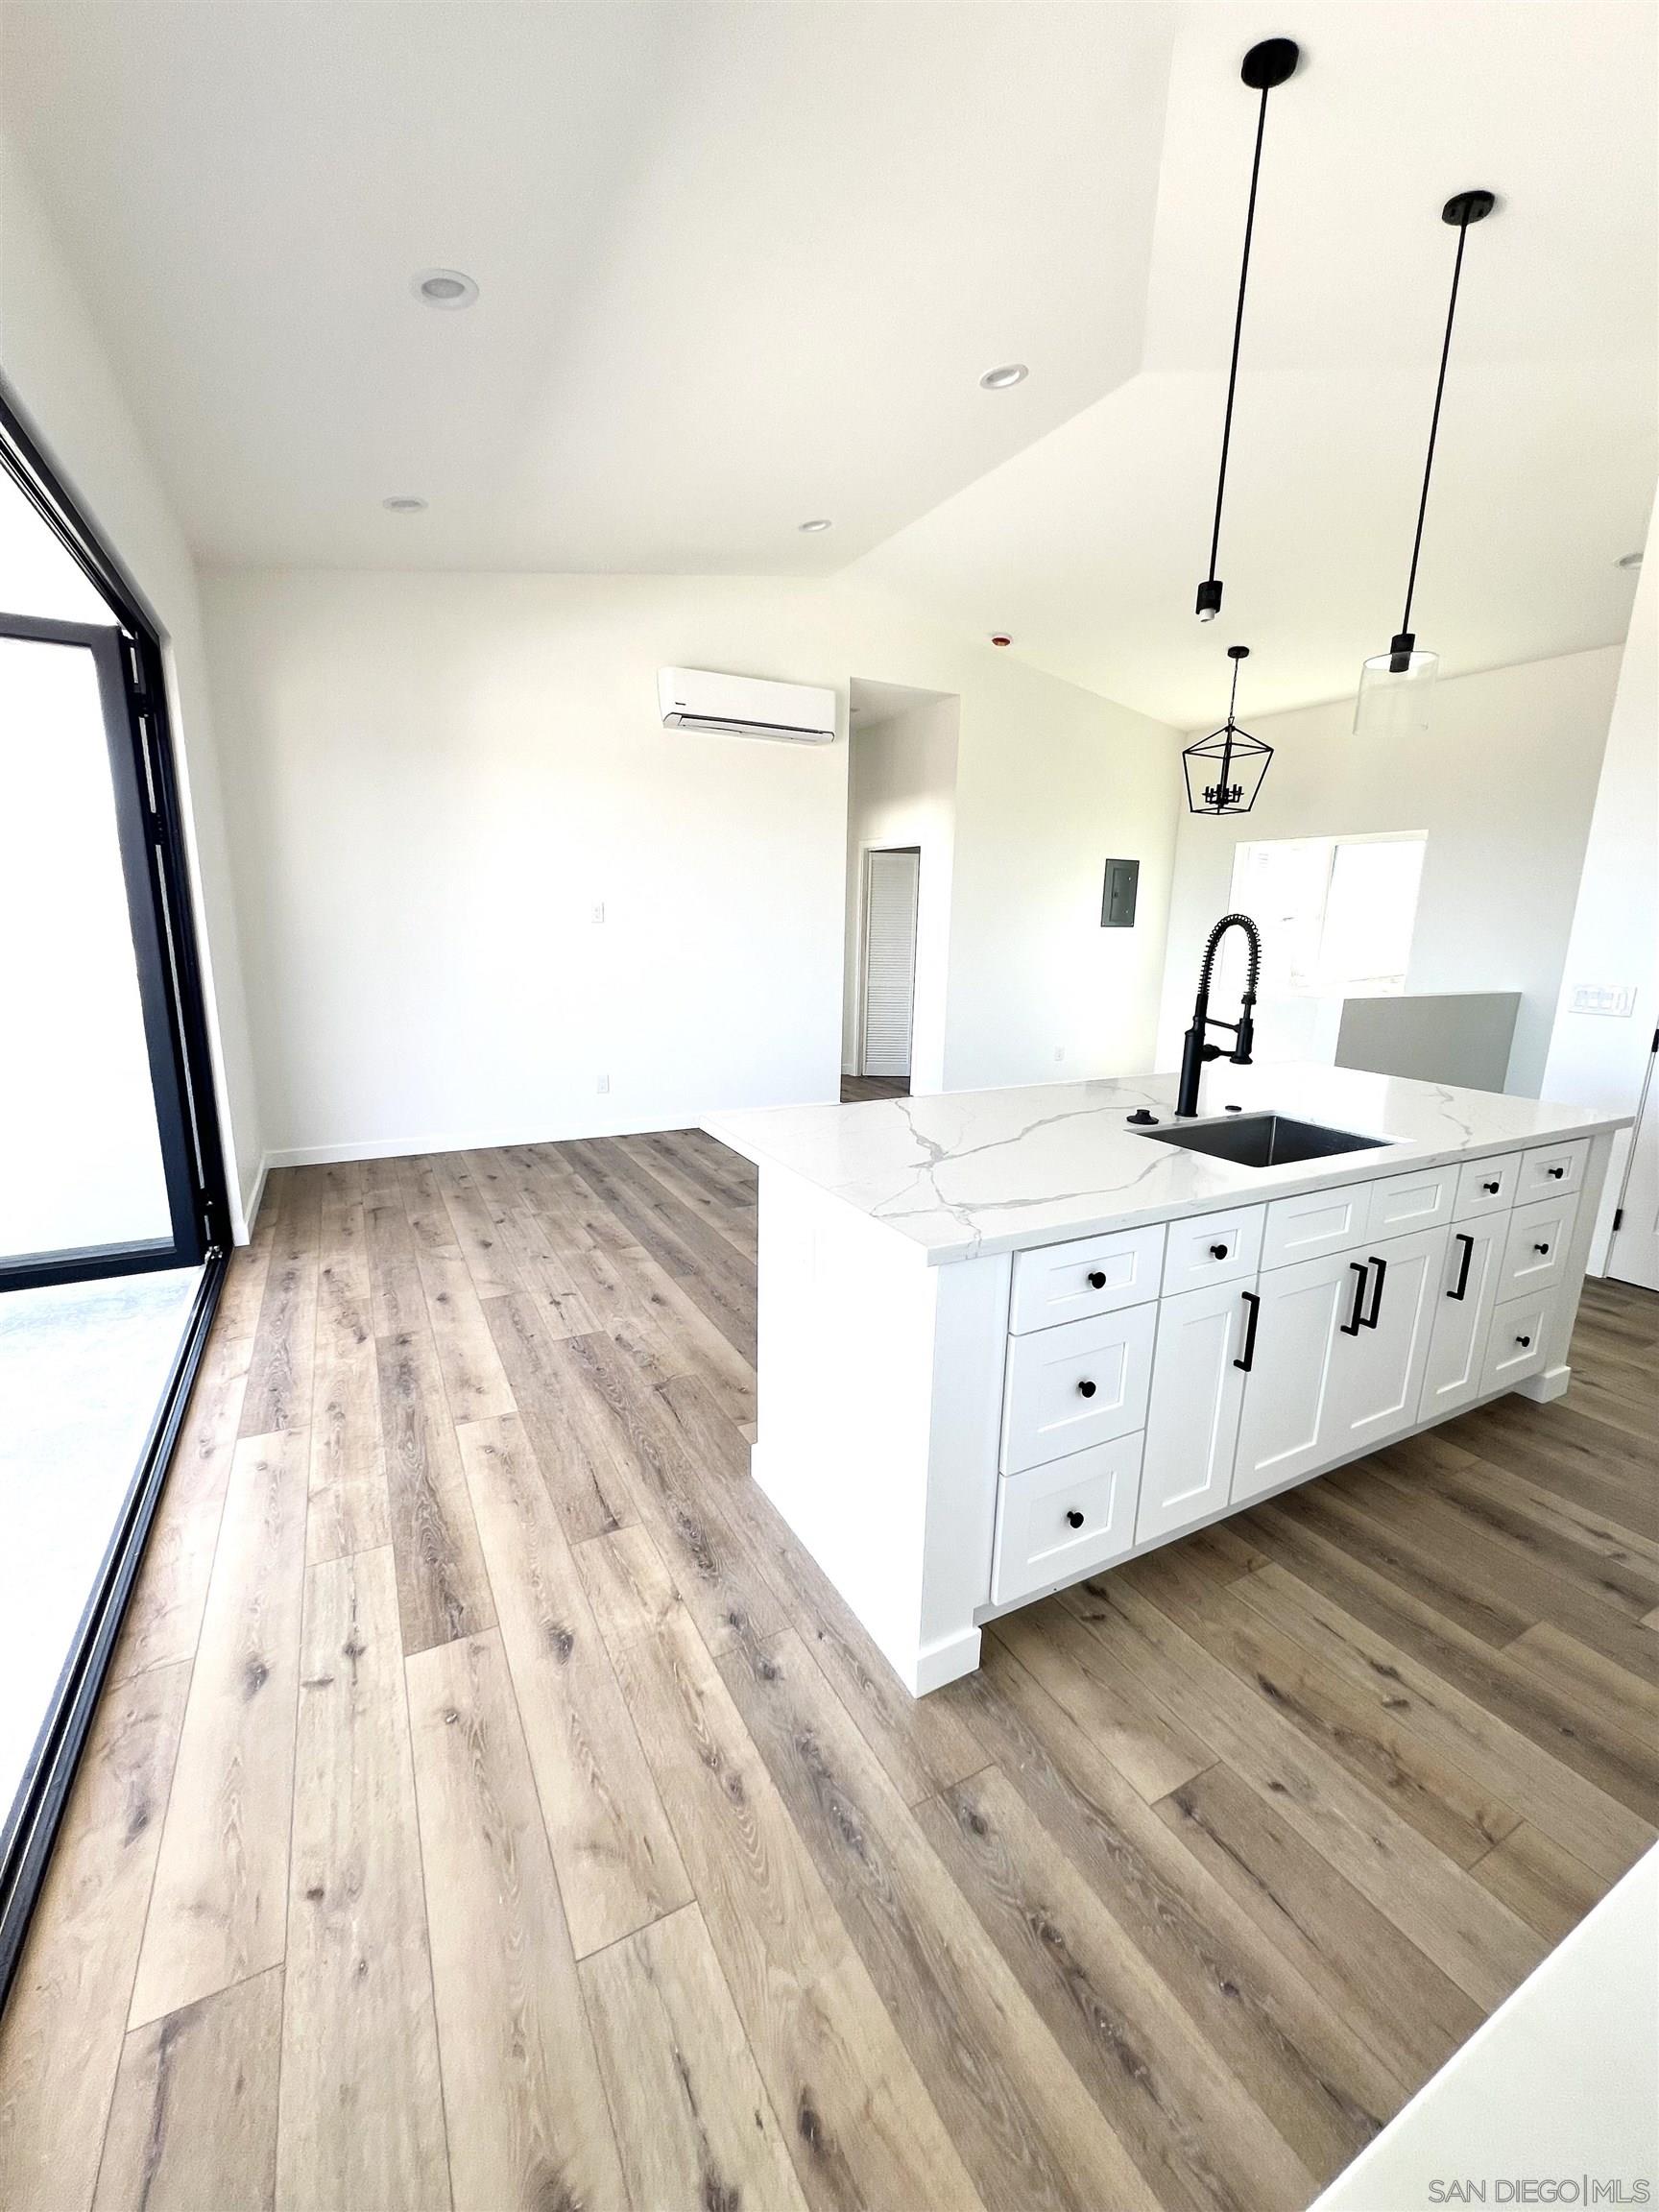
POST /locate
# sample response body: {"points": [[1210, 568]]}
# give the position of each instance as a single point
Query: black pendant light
{"points": [[1263, 68], [1395, 686], [1224, 770]]}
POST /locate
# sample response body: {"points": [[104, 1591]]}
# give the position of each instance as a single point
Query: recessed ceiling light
{"points": [[443, 287], [405, 503], [817, 523], [999, 379], [1629, 559]]}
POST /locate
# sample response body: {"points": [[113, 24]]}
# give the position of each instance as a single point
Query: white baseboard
{"points": [[458, 1141], [250, 1198], [946, 1661], [1541, 1388]]}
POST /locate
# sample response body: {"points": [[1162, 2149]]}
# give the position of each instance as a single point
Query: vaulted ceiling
{"points": [[741, 264]]}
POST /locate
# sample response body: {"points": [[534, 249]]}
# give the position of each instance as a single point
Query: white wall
{"points": [[62, 380], [903, 792], [432, 779], [1504, 783], [1601, 1058]]}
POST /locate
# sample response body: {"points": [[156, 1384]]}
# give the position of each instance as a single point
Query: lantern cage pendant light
{"points": [[1268, 64], [1395, 686], [1224, 771]]}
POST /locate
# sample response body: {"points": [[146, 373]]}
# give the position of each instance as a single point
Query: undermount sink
{"points": [[1263, 1140]]}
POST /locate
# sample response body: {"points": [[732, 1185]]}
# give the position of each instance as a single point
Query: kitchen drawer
{"points": [[1486, 1186], [1318, 1222], [1061, 1283], [1402, 1203], [1079, 1385], [1058, 1520], [1516, 1347], [1551, 1169], [1535, 1249], [1213, 1248]]}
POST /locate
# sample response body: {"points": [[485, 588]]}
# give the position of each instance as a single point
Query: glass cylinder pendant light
{"points": [[1224, 770], [1266, 66], [1395, 687]]}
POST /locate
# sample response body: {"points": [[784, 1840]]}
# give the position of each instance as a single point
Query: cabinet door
{"points": [[1462, 1317], [1192, 1416], [1283, 1428], [1377, 1376]]}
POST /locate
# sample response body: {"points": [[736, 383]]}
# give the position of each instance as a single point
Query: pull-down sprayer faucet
{"points": [[1197, 1049]]}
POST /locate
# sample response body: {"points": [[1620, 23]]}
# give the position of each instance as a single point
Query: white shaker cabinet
{"points": [[1462, 1317], [1376, 1376], [1204, 1347], [1298, 1324], [1341, 1347]]}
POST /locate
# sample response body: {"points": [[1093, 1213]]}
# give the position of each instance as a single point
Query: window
{"points": [[1337, 914]]}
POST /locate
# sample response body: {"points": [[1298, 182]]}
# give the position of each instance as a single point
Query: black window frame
{"points": [[132, 677]]}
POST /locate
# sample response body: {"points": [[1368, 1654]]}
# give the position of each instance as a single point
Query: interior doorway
{"points": [[900, 836], [887, 983]]}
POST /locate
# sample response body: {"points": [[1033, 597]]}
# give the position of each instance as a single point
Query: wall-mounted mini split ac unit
{"points": [[745, 706]]}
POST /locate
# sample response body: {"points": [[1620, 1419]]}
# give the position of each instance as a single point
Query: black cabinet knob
{"points": [[1556, 1173], [1096, 1279], [1524, 1342], [1073, 1519], [1543, 1248], [1085, 1389], [1218, 1251], [1491, 1189]]}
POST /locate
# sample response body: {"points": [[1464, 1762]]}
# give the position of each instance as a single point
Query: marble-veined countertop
{"points": [[964, 1173]]}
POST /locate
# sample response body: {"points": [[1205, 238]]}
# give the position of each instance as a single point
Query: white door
{"points": [[1462, 1317], [1283, 1428], [1205, 1342], [1376, 1376], [1633, 1256], [892, 882]]}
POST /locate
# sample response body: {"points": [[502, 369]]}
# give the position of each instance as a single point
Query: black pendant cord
{"points": [[1269, 63], [1434, 428], [1237, 335], [1233, 695]]}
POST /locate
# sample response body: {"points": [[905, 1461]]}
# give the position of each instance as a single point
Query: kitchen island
{"points": [[1008, 1339]]}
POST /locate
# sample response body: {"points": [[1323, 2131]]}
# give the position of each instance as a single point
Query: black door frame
{"points": [[130, 659], [186, 1241]]}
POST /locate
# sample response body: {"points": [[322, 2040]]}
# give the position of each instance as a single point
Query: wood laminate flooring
{"points": [[492, 1807], [856, 1087]]}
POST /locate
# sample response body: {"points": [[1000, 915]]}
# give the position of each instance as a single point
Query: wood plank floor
{"points": [[493, 1807]]}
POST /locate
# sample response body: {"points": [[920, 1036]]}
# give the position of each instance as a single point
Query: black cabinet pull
{"points": [[1543, 1251], [1085, 1389], [1351, 1327], [1491, 1189], [1554, 1173], [1073, 1519], [1218, 1251], [1253, 1302], [1460, 1289], [1371, 1318], [1524, 1342], [1096, 1280]]}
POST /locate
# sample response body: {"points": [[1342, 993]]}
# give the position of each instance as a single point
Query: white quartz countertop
{"points": [[965, 1173]]}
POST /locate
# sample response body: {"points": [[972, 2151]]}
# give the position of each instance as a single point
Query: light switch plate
{"points": [[1603, 997]]}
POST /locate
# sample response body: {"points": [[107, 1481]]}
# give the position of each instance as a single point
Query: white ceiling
{"points": [[1089, 545], [739, 265], [742, 264]]}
